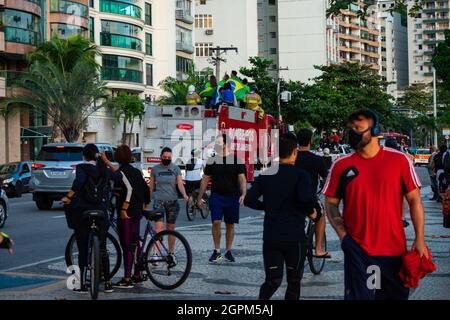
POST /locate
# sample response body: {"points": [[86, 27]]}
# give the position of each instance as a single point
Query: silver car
{"points": [[4, 208], [53, 172]]}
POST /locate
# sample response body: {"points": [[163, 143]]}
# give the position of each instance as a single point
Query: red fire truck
{"points": [[184, 128]]}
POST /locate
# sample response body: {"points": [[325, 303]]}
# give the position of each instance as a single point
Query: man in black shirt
{"points": [[229, 187], [287, 198], [316, 167]]}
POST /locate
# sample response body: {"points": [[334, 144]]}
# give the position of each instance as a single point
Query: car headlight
{"points": [[6, 181]]}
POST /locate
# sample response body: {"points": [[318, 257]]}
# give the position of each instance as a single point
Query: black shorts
{"points": [[192, 186]]}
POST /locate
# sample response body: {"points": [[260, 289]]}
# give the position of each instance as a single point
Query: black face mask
{"points": [[355, 139], [166, 162]]}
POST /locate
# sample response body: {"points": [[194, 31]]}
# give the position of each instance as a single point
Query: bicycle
{"points": [[158, 260], [92, 270], [192, 206]]}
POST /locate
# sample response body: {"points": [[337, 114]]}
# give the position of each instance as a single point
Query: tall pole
{"points": [[218, 63], [217, 59], [435, 107], [279, 92]]}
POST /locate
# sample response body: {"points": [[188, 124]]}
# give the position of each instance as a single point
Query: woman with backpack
{"points": [[133, 198], [90, 191]]}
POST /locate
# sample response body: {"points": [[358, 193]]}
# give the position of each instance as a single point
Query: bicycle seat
{"points": [[94, 214], [152, 215]]}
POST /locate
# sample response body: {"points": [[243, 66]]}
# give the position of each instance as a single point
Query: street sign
{"points": [[446, 132]]}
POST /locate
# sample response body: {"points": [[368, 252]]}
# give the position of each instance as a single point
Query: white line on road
{"points": [[59, 217], [62, 257]]}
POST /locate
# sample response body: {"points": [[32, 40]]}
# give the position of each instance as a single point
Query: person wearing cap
{"points": [[327, 158], [192, 98], [253, 101]]}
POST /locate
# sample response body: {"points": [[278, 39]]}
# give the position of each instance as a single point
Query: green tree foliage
{"points": [[63, 82], [336, 6], [127, 107], [417, 97]]}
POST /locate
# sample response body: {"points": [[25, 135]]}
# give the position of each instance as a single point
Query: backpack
{"points": [[94, 190]]}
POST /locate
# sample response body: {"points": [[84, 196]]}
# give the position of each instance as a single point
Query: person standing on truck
{"points": [[229, 187], [253, 101], [164, 181], [228, 96], [192, 98], [210, 92]]}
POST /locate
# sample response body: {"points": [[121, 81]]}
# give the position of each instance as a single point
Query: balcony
{"points": [[7, 79], [184, 15], [185, 47], [2, 86], [2, 41]]}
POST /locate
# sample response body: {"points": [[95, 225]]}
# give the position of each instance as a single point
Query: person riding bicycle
{"points": [[133, 198], [89, 175], [288, 197], [194, 169]]}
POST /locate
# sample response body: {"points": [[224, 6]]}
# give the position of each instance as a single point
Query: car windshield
{"points": [[61, 153], [8, 168], [423, 151]]}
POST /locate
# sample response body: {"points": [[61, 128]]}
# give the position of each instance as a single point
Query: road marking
{"points": [[59, 217], [32, 264], [209, 224]]}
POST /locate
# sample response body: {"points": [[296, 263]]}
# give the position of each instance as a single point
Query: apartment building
{"points": [[425, 30], [184, 37], [394, 47], [230, 24]]}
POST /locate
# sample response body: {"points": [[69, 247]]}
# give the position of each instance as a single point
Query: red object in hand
{"points": [[415, 268]]}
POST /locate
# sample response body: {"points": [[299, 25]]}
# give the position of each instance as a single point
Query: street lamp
{"points": [[435, 107]]}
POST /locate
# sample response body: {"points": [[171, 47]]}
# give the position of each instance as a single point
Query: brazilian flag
{"points": [[208, 91], [238, 88]]}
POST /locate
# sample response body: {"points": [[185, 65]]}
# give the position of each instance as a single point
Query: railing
{"points": [[184, 46], [184, 15], [120, 41], [19, 35], [121, 74]]}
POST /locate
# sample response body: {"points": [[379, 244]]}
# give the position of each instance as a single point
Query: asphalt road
{"points": [[41, 236]]}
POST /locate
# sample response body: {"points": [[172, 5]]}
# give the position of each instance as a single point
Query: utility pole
{"points": [[435, 107], [217, 59]]}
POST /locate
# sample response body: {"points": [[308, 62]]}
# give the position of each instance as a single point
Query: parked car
{"points": [[53, 171], [4, 209], [15, 178], [421, 156]]}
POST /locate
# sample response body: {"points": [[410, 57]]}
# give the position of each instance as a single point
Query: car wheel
{"points": [[44, 204], [3, 214], [19, 189]]}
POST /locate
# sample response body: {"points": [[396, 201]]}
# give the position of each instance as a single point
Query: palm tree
{"points": [[64, 83], [129, 107]]}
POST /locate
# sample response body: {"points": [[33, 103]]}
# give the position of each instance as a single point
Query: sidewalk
{"points": [[242, 279]]}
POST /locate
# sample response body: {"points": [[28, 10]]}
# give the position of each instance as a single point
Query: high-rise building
{"points": [[225, 24], [425, 30], [184, 37], [394, 47], [24, 24]]}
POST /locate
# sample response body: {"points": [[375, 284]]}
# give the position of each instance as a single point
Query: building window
{"points": [[120, 34], [91, 3], [418, 26], [183, 64], [272, 2], [69, 7], [148, 14], [203, 21], [91, 29], [149, 74], [184, 40], [124, 7], [20, 27], [202, 1], [272, 18], [273, 35], [66, 30], [203, 49], [148, 44], [273, 51], [121, 68]]}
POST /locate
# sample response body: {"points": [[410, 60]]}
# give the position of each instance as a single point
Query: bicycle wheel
{"points": [[112, 245], [316, 264], [190, 208], [205, 210], [93, 270], [168, 271]]}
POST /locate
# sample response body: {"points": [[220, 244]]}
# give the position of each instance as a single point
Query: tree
{"points": [[336, 6], [417, 97], [129, 107], [441, 61], [63, 82], [176, 90]]}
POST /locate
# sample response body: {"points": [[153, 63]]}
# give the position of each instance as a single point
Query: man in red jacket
{"points": [[372, 183]]}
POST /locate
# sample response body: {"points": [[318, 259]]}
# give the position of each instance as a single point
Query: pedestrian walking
{"points": [[288, 197], [432, 174], [372, 181], [133, 198], [327, 159], [165, 182], [228, 190]]}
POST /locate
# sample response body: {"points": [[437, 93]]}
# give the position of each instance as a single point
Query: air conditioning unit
{"points": [[209, 32]]}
